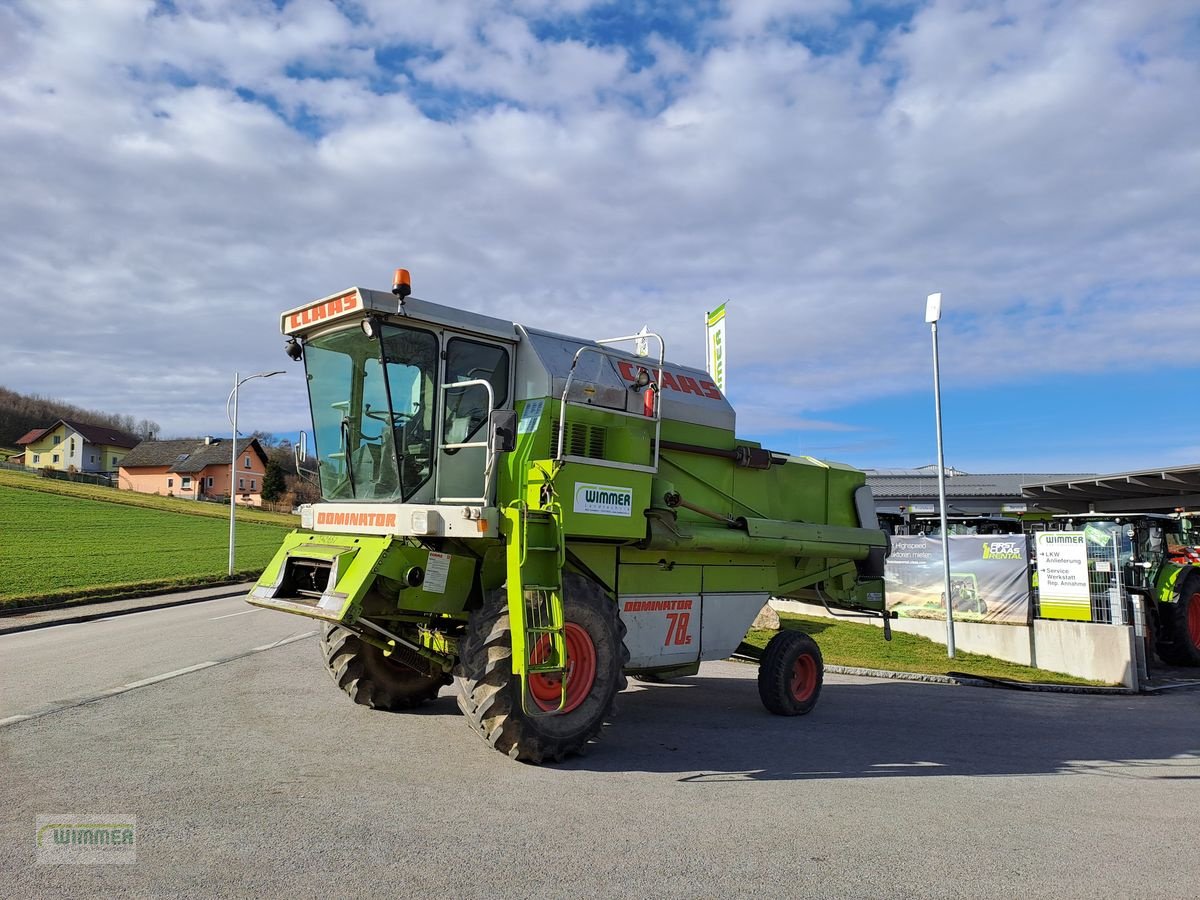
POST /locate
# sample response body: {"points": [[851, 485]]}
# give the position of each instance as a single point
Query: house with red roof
{"points": [[196, 468], [76, 447]]}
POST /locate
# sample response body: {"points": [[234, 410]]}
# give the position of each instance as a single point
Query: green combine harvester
{"points": [[539, 516]]}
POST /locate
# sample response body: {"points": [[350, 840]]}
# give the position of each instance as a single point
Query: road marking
{"points": [[154, 679], [245, 612], [907, 765]]}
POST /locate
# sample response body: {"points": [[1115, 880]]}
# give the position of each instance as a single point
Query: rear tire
{"points": [[490, 694], [791, 674], [369, 678], [1179, 643]]}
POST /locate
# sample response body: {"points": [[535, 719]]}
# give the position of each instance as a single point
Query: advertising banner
{"points": [[989, 578], [1062, 560], [715, 324]]}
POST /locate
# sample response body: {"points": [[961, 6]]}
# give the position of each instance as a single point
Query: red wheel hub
{"points": [[580, 672], [804, 678], [1193, 619]]}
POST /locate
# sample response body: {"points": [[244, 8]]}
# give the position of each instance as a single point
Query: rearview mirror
{"points": [[502, 431], [301, 449]]}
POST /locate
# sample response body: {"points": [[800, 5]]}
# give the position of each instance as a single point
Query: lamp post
{"points": [[933, 312], [233, 453]]}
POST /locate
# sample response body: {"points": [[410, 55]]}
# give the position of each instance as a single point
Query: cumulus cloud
{"points": [[177, 174]]}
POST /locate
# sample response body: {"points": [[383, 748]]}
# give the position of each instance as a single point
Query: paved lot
{"points": [[256, 777]]}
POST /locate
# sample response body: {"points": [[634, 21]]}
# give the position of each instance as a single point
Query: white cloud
{"points": [[1035, 160]]}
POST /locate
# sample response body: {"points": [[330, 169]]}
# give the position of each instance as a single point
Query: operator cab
{"points": [[389, 411], [402, 395]]}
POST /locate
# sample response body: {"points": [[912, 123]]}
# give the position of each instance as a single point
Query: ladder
{"points": [[535, 555]]}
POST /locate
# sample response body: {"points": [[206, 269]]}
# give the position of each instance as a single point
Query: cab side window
{"points": [[466, 408]]}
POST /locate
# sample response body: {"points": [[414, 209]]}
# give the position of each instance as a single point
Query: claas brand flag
{"points": [[717, 361]]}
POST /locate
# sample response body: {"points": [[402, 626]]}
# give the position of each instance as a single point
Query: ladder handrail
{"points": [[599, 347], [489, 463]]}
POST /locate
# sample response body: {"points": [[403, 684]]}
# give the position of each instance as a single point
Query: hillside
{"points": [[21, 413], [68, 542]]}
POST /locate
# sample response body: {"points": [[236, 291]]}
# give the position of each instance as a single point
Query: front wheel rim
{"points": [[580, 674]]}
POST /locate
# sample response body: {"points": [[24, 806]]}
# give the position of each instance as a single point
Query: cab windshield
{"points": [[372, 407]]}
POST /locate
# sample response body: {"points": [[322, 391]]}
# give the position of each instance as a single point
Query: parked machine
{"points": [[1164, 568], [1160, 562], [540, 516]]}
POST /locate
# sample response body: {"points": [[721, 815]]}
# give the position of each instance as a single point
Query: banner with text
{"points": [[715, 325], [989, 578], [1062, 571]]}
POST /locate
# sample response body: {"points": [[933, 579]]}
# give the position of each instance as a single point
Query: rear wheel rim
{"points": [[580, 673], [804, 678], [1193, 620]]}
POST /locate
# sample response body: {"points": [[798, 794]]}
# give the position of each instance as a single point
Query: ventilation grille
{"points": [[581, 440]]}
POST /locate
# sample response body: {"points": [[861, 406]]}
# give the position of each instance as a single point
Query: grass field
{"points": [[31, 481], [849, 644], [56, 544]]}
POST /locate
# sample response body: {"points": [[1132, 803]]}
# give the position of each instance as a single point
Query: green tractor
{"points": [[1163, 566], [1159, 562], [538, 516]]}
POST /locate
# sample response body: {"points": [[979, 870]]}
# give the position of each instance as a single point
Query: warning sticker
{"points": [[531, 416], [436, 572]]}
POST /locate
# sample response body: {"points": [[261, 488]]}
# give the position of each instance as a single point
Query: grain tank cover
{"points": [[687, 394]]}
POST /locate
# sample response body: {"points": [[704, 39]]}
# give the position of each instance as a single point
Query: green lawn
{"points": [[31, 481], [55, 545], [852, 644]]}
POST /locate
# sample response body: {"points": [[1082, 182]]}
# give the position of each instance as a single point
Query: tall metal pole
{"points": [[937, 408], [233, 469], [233, 451]]}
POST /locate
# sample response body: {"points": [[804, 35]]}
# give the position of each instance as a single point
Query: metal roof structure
{"points": [[1150, 490], [900, 490]]}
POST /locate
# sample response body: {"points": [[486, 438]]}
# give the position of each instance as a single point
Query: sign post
{"points": [[933, 312]]}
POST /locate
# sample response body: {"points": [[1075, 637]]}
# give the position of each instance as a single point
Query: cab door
{"points": [[463, 413]]}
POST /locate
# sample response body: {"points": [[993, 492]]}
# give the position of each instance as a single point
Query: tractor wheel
{"points": [[790, 674], [490, 694], [1180, 644], [371, 679]]}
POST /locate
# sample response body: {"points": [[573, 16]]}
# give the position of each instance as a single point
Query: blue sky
{"points": [[177, 174]]}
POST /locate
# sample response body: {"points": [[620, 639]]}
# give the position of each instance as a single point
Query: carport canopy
{"points": [[1152, 490]]}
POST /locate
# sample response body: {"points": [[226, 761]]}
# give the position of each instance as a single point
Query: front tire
{"points": [[369, 678], [791, 674], [490, 694]]}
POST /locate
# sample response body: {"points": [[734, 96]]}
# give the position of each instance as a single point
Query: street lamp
{"points": [[933, 312], [233, 453]]}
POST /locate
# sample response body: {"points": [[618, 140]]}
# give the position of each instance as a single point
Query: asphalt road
{"points": [[67, 664], [255, 776]]}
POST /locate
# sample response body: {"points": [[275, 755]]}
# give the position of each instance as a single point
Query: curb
{"points": [[974, 681], [233, 590]]}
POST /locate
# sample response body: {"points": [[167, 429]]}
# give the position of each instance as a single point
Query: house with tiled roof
{"points": [[76, 446], [195, 468]]}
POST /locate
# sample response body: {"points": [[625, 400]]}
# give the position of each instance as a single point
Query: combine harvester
{"points": [[540, 516]]}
